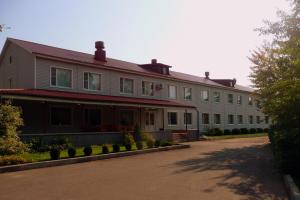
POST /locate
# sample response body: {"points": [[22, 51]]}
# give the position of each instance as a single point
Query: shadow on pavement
{"points": [[249, 171]]}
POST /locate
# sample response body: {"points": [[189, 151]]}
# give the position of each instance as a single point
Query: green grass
{"points": [[43, 156], [236, 136]]}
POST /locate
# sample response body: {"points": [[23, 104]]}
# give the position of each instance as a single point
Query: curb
{"points": [[68, 161], [291, 187]]}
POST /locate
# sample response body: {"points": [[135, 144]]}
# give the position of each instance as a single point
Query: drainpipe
{"points": [[185, 117], [198, 124]]}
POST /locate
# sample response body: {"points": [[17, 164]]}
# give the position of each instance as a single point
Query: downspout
{"points": [[198, 124], [185, 118]]}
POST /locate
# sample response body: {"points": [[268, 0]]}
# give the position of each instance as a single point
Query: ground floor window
{"points": [[240, 119], [92, 117], [188, 118], [217, 118], [258, 119], [205, 118], [250, 119], [172, 118], [149, 118], [127, 117], [61, 116], [230, 119]]}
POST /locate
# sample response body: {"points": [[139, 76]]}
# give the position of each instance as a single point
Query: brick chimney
{"points": [[100, 53]]}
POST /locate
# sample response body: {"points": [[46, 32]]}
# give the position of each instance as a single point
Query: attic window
{"points": [[164, 70]]}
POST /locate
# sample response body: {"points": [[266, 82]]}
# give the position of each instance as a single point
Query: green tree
{"points": [[10, 121], [276, 70]]}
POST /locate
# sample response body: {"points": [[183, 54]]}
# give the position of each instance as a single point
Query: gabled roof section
{"points": [[113, 64]]}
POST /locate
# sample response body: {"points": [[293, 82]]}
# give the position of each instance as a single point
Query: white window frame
{"points": [[123, 86], [57, 86], [215, 119], [177, 116], [184, 93], [202, 98], [250, 119], [215, 97], [169, 92], [232, 100], [153, 85], [238, 121], [100, 74], [202, 121], [252, 100], [229, 123], [239, 102]]}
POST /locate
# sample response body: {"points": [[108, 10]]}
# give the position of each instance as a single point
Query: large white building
{"points": [[63, 92]]}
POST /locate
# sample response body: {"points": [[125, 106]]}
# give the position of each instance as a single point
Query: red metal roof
{"points": [[90, 97], [85, 58]]}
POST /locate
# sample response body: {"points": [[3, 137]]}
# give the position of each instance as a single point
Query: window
{"points": [[204, 95], [240, 119], [217, 118], [230, 119], [150, 118], [239, 99], [267, 119], [172, 92], [217, 97], [147, 88], [10, 60], [250, 101], [92, 81], [188, 118], [250, 119], [230, 98], [187, 93], [126, 117], [92, 117], [205, 118], [258, 119], [172, 118], [126, 86], [61, 77], [61, 116]]}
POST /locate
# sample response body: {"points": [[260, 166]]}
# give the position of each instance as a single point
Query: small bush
{"points": [[227, 132], [128, 139], [214, 132], [37, 145], [259, 130], [149, 139], [236, 131], [54, 152], [128, 147], [252, 130], [139, 145], [116, 148], [62, 142], [150, 143], [165, 143], [87, 150], [11, 160], [244, 131], [157, 143], [105, 149], [266, 130], [71, 152]]}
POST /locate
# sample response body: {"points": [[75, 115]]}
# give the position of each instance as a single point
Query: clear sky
{"points": [[193, 36]]}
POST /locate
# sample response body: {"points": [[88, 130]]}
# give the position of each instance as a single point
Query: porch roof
{"points": [[76, 97]]}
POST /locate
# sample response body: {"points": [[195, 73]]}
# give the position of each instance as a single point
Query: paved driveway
{"points": [[221, 170]]}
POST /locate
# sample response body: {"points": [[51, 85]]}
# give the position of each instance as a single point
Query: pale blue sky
{"points": [[193, 36]]}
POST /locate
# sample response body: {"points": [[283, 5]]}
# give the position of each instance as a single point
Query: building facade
{"points": [[62, 91]]}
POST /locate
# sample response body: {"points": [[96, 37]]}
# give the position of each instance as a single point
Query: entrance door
{"points": [[150, 121]]}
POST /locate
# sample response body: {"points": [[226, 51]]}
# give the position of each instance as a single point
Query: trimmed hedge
{"points": [[87, 150], [71, 152], [55, 152], [227, 132], [252, 130], [236, 131], [105, 149], [116, 148], [11, 160]]}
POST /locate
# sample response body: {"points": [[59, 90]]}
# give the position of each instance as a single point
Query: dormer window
{"points": [[156, 67]]}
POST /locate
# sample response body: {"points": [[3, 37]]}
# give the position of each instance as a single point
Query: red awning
{"points": [[73, 96]]}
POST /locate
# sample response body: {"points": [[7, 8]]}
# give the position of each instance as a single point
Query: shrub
{"points": [[62, 142], [54, 152], [128, 139], [214, 132], [227, 132], [236, 131], [11, 160], [10, 121], [286, 148], [157, 143], [266, 130], [137, 133], [252, 130], [37, 145], [148, 138], [105, 149], [244, 130], [165, 143], [71, 152], [259, 130], [116, 148], [128, 147], [139, 145], [150, 143], [87, 150]]}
